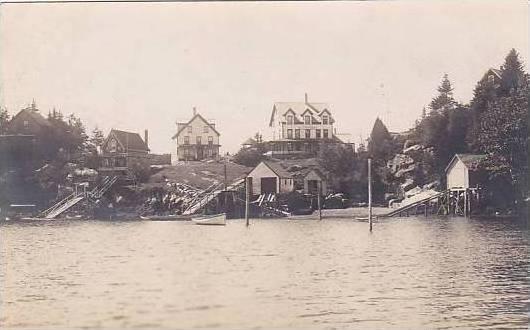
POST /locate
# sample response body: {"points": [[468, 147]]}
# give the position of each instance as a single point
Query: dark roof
{"points": [[37, 117], [129, 140], [278, 169], [468, 159], [184, 125]]}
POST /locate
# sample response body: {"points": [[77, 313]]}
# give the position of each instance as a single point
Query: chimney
{"points": [[305, 98], [194, 111], [146, 138]]}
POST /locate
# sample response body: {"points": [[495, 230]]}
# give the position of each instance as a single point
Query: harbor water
{"points": [[413, 273]]}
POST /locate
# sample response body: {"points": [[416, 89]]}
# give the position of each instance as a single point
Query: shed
{"points": [[270, 177], [461, 172], [312, 180]]}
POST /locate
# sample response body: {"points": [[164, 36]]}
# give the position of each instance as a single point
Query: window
{"points": [[491, 79], [307, 133], [26, 124], [289, 147], [210, 140], [296, 133], [307, 120], [186, 140], [205, 129], [325, 134], [325, 120], [290, 119], [190, 129], [199, 139], [318, 134], [289, 133]]}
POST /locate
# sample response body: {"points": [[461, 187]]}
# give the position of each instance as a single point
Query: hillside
{"points": [[197, 174]]}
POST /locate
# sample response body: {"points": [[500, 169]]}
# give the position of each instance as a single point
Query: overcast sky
{"points": [[137, 66]]}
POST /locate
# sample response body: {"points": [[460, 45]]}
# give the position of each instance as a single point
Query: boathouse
{"points": [[312, 180], [269, 177], [462, 171]]}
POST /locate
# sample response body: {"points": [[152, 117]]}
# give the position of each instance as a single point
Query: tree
{"points": [[444, 101], [4, 120], [97, 137], [503, 136], [380, 146], [512, 73]]}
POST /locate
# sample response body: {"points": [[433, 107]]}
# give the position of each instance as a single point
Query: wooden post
{"points": [[247, 202], [370, 193], [319, 190], [465, 203]]}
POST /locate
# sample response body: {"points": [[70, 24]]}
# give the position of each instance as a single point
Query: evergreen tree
{"points": [[97, 137], [503, 136], [4, 120], [512, 73], [444, 101], [380, 146]]}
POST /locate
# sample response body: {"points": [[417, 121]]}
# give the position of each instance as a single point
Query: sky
{"points": [[137, 66]]}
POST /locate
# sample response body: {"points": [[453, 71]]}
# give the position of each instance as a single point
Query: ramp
{"points": [[414, 204]]}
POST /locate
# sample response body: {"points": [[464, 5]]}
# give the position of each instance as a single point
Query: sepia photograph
{"points": [[264, 164]]}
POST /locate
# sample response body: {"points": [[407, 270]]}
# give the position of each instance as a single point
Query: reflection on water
{"points": [[409, 273]]}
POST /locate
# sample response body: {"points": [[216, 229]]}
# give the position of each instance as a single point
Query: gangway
{"points": [[69, 201], [416, 204]]}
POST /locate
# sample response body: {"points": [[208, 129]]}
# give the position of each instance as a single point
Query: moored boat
{"points": [[213, 219], [170, 217]]}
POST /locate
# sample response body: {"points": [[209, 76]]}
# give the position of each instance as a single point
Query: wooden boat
{"points": [[170, 217], [214, 219]]}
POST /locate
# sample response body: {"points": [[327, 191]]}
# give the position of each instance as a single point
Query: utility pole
{"points": [[319, 190]]}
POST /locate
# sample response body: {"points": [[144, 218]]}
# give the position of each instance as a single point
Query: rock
{"points": [[415, 147]]}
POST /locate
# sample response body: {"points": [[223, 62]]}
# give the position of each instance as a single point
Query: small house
{"points": [[29, 122], [313, 180], [124, 151], [270, 177], [462, 172]]}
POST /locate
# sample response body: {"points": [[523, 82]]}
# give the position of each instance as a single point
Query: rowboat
{"points": [[214, 219], [170, 217]]}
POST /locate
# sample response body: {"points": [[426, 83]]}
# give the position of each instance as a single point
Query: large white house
{"points": [[300, 127], [196, 139]]}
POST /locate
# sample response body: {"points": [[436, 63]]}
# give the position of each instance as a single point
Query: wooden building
{"points": [[270, 177], [196, 139], [122, 152], [29, 121], [300, 128], [462, 171], [312, 180]]}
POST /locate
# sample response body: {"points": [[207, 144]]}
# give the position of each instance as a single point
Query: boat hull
{"points": [[214, 220]]}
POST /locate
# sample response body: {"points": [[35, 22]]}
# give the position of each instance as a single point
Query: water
{"points": [[412, 273]]}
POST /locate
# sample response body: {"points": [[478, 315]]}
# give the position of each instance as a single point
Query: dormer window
{"points": [[307, 120], [290, 119], [325, 120]]}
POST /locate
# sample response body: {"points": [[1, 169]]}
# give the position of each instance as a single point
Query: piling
{"points": [[247, 201], [370, 193], [319, 191]]}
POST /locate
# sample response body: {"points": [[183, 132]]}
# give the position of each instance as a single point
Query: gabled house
{"points": [[301, 127], [28, 121], [462, 171], [313, 180], [196, 139], [270, 178], [122, 152]]}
